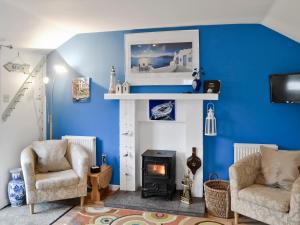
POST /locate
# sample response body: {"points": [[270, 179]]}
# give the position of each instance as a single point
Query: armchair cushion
{"points": [[51, 155], [28, 159], [79, 160], [279, 168], [272, 198], [53, 180]]}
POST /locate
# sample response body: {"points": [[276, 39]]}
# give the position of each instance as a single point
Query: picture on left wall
{"points": [[81, 89]]}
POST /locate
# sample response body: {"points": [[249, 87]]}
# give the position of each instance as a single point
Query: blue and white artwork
{"points": [[162, 57], [162, 110]]}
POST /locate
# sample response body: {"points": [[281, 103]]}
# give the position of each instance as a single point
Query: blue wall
{"points": [[241, 56]]}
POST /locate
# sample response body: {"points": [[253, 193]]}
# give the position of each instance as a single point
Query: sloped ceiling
{"points": [[284, 17], [46, 24]]}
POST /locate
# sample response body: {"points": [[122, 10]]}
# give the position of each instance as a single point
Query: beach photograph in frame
{"points": [[161, 58]]}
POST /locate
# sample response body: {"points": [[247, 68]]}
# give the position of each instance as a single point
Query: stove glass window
{"points": [[156, 170]]}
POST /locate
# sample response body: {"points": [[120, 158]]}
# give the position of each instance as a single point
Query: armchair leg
{"points": [[31, 208], [81, 201], [236, 218]]}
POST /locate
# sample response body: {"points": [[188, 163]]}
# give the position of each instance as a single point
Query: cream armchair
{"points": [[42, 187], [269, 205]]}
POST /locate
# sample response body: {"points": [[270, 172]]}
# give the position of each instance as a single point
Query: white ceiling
{"points": [[46, 24]]}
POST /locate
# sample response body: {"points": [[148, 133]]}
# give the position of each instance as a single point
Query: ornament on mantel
{"points": [[126, 87], [196, 84], [112, 83], [119, 88]]}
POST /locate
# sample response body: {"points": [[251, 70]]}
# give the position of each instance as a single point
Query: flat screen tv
{"points": [[285, 88]]}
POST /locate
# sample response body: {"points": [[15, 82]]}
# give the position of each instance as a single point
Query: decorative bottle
{"points": [[103, 159], [16, 188], [112, 84], [196, 84]]}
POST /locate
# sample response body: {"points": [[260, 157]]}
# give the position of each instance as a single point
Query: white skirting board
{"points": [[114, 187]]}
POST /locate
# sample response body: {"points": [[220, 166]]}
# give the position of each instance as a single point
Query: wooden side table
{"points": [[99, 181]]}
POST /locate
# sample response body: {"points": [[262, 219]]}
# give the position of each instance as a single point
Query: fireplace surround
{"points": [[158, 173], [138, 133]]}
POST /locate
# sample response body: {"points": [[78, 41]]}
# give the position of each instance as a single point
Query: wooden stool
{"points": [[99, 181]]}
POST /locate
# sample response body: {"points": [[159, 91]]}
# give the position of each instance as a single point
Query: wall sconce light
{"points": [[210, 121]]}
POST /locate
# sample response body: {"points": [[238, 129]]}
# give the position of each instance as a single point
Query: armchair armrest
{"points": [[294, 213], [28, 167], [243, 173], [79, 160]]}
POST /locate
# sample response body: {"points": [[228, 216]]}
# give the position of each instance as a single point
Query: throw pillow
{"points": [[279, 168], [51, 155]]}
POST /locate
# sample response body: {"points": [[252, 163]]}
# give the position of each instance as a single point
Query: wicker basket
{"points": [[217, 197]]}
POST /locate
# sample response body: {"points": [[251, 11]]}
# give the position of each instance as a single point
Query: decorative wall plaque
{"points": [[16, 67]]}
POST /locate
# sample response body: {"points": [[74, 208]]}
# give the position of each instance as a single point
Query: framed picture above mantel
{"points": [[161, 58]]}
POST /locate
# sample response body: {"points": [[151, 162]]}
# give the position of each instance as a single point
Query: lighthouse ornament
{"points": [[112, 83], [196, 84]]}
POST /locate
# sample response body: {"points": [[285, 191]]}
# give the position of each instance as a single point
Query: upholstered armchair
{"points": [[51, 186], [267, 204]]}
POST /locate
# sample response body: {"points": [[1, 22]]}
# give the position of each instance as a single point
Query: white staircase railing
{"points": [[21, 92], [39, 102]]}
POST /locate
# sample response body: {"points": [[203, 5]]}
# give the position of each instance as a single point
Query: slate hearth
{"points": [[133, 200]]}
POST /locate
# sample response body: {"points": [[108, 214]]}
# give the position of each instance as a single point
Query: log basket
{"points": [[217, 197]]}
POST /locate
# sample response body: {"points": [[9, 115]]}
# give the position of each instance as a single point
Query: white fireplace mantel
{"points": [[138, 133], [153, 96]]}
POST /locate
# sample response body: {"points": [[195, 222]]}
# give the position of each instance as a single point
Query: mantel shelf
{"points": [[175, 96]]}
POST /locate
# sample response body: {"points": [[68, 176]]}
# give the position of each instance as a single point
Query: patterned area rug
{"points": [[98, 215]]}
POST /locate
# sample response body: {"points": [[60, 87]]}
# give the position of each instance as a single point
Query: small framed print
{"points": [[212, 86], [81, 89]]}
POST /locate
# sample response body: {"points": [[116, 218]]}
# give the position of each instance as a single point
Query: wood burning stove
{"points": [[159, 173]]}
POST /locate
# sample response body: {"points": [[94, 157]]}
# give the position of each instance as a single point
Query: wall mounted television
{"points": [[285, 88]]}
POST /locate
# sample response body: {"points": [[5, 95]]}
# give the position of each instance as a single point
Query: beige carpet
{"points": [[45, 213]]}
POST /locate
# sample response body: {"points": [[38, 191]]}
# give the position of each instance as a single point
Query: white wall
{"points": [[21, 127]]}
